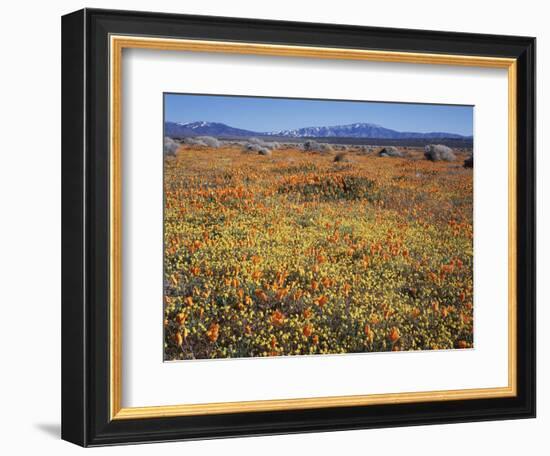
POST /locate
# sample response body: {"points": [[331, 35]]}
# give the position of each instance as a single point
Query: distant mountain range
{"points": [[205, 129], [356, 130]]}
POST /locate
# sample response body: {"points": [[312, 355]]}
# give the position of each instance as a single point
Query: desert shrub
{"points": [[265, 151], [364, 150], [314, 146], [439, 152], [209, 141], [311, 146], [469, 162], [341, 157], [341, 147], [194, 142], [390, 151], [170, 146], [252, 148], [272, 145], [257, 149]]}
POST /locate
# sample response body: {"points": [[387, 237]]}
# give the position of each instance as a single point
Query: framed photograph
{"points": [[279, 227]]}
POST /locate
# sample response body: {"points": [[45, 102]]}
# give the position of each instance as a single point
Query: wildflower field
{"points": [[296, 254]]}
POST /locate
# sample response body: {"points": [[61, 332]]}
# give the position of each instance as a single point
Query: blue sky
{"points": [[270, 114]]}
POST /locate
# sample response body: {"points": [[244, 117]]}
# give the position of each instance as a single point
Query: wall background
{"points": [[30, 193]]}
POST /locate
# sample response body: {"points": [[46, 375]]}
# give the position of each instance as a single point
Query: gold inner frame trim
{"points": [[117, 44]]}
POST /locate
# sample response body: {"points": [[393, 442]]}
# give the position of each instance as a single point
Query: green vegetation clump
{"points": [[331, 188]]}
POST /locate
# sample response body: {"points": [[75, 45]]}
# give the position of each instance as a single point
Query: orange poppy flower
{"points": [[181, 317], [256, 275], [277, 318], [261, 294], [307, 330], [273, 342], [188, 301], [297, 295], [367, 330], [281, 293], [213, 332], [321, 301], [461, 344], [394, 334]]}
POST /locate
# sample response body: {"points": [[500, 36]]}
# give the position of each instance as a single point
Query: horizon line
{"points": [[318, 126]]}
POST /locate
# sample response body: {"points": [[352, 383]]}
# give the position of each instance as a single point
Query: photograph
{"points": [[273, 224], [315, 226]]}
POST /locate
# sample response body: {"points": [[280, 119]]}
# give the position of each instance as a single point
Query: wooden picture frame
{"points": [[92, 44]]}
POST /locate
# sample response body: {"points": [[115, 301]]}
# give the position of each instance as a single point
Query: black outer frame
{"points": [[85, 227]]}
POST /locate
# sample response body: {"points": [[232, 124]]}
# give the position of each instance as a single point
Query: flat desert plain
{"points": [[299, 253]]}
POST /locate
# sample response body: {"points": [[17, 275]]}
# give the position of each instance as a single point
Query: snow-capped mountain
{"points": [[202, 128], [355, 130], [359, 130]]}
